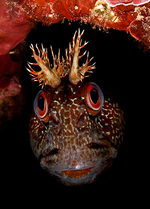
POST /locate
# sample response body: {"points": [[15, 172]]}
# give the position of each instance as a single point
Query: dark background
{"points": [[122, 69]]}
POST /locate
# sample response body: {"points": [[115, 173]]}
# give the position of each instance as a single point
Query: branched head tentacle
{"points": [[77, 73], [52, 74]]}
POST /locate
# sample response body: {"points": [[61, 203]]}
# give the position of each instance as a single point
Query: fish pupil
{"points": [[94, 95], [41, 103]]}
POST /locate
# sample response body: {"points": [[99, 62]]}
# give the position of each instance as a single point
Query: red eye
{"points": [[95, 98], [40, 105]]}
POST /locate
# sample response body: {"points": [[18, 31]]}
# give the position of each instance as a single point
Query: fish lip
{"points": [[80, 174], [77, 173], [88, 176]]}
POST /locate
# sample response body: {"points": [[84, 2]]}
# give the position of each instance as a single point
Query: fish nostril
{"points": [[54, 118], [81, 122]]}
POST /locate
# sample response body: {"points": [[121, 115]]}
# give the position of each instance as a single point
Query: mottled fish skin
{"points": [[72, 140]]}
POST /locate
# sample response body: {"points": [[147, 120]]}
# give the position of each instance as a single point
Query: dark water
{"points": [[123, 71]]}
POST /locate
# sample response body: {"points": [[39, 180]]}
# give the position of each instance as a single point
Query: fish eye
{"points": [[40, 105], [94, 97]]}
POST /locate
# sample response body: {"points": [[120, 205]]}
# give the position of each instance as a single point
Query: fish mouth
{"points": [[77, 173], [74, 166]]}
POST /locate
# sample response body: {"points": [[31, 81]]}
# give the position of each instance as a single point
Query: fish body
{"points": [[74, 131]]}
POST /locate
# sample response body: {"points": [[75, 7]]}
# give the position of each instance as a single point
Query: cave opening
{"points": [[120, 67]]}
